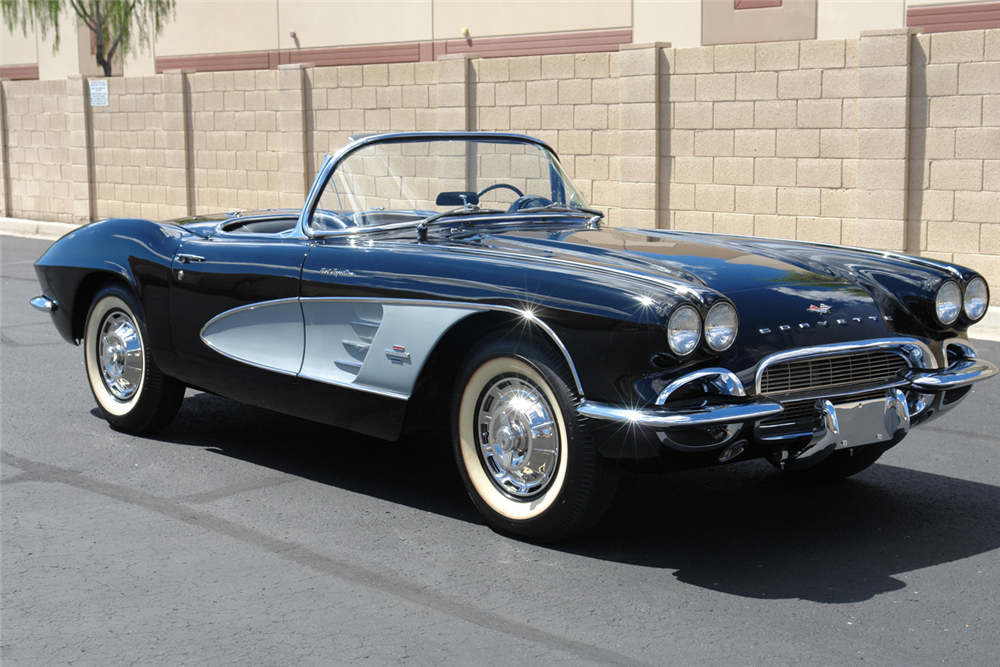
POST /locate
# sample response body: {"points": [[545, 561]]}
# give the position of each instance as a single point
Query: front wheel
{"points": [[131, 392], [528, 463]]}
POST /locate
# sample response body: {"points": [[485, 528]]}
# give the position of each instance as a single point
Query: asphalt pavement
{"points": [[238, 536]]}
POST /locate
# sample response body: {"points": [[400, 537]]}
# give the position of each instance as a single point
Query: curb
{"points": [[35, 229], [987, 329]]}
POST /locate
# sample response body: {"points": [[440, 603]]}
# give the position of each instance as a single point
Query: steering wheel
{"points": [[528, 201], [499, 185]]}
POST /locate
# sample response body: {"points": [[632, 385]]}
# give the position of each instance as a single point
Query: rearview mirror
{"points": [[457, 199]]}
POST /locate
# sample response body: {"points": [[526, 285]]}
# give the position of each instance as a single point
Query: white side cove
{"points": [[268, 335], [363, 344]]}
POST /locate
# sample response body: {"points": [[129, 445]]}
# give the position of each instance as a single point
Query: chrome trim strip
{"points": [[525, 314], [695, 417], [729, 382], [917, 352], [958, 374], [44, 304]]}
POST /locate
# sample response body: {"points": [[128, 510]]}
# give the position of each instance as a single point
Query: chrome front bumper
{"points": [[846, 422]]}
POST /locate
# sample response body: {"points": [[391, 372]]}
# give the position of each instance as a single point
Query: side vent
{"points": [[363, 327], [339, 335]]}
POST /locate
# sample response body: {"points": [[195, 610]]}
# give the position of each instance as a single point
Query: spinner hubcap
{"points": [[120, 354], [518, 437]]}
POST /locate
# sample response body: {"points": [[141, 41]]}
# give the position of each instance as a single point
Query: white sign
{"points": [[98, 93]]}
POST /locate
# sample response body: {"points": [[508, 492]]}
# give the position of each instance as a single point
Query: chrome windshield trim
{"points": [[917, 353], [659, 418], [331, 162]]}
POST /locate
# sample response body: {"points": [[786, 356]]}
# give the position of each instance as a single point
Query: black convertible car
{"points": [[462, 278]]}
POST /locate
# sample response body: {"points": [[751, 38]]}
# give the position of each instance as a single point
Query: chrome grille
{"points": [[858, 369]]}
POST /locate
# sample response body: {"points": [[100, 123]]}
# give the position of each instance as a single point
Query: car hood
{"points": [[851, 279]]}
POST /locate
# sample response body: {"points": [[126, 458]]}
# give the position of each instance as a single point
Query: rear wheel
{"points": [[528, 463], [131, 392]]}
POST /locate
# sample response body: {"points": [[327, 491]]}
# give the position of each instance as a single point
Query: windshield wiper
{"points": [[562, 208], [468, 209]]}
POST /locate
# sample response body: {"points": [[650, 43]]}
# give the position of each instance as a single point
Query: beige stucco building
{"points": [[221, 35]]}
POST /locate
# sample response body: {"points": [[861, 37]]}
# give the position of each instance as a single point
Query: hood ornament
{"points": [[822, 309]]}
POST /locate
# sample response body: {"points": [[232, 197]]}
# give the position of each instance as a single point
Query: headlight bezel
{"points": [[969, 313], [717, 308], [952, 308], [690, 345]]}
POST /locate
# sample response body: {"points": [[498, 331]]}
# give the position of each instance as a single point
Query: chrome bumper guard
{"points": [[847, 424], [44, 304]]}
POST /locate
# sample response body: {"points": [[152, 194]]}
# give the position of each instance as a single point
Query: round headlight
{"points": [[720, 326], [977, 297], [684, 330], [948, 303]]}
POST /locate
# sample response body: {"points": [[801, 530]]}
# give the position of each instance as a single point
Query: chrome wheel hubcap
{"points": [[518, 437], [120, 354]]}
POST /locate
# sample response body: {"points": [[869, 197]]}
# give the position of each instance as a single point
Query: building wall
{"points": [[37, 150], [218, 35], [890, 141]]}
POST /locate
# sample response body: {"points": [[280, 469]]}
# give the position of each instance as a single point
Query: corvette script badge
{"points": [[822, 309], [397, 354]]}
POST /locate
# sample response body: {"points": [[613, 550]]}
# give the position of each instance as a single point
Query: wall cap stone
{"points": [[645, 45], [892, 31]]}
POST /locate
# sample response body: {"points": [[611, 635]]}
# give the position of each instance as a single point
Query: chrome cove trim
{"points": [[44, 304], [917, 353], [713, 414], [526, 314]]}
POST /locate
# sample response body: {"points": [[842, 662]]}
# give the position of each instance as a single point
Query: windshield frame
{"points": [[331, 163]]}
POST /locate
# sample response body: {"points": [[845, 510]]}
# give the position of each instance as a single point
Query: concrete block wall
{"points": [[357, 99], [954, 160], [570, 101], [762, 139], [37, 156], [890, 141], [138, 148]]}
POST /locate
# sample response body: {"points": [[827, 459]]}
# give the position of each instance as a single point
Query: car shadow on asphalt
{"points": [[741, 529]]}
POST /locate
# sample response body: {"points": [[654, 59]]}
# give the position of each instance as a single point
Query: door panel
{"points": [[255, 283]]}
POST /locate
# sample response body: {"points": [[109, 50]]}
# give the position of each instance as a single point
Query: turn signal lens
{"points": [[948, 303], [720, 326], [977, 298], [684, 330]]}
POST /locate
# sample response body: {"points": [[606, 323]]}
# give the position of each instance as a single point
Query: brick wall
{"points": [[889, 141]]}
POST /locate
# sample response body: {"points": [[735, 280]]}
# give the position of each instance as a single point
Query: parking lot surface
{"points": [[237, 536]]}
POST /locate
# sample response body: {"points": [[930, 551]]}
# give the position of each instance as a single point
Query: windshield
{"points": [[411, 179]]}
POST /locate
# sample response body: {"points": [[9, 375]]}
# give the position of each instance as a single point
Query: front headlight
{"points": [[948, 303], [977, 298], [720, 326], [684, 330]]}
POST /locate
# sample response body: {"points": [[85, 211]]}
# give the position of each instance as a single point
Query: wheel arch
{"points": [[89, 286], [437, 377]]}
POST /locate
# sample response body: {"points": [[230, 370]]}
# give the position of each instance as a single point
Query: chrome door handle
{"points": [[186, 259]]}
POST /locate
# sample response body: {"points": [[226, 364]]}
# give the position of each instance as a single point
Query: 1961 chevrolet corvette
{"points": [[462, 277]]}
